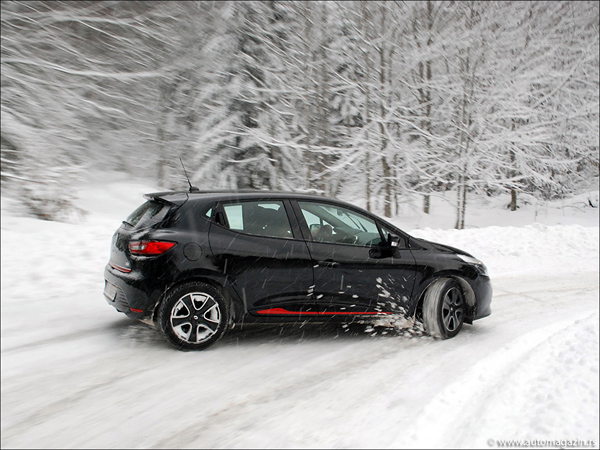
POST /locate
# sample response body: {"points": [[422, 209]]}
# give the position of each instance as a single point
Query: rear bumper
{"points": [[126, 294]]}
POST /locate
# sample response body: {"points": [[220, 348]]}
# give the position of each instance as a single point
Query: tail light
{"points": [[150, 248]]}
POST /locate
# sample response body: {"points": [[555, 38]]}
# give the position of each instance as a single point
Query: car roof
{"points": [[179, 197]]}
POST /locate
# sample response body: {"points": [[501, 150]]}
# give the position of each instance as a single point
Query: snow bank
{"points": [[518, 390], [77, 374], [531, 249]]}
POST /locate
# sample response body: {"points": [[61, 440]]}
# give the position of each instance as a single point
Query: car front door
{"points": [[356, 272], [264, 257]]}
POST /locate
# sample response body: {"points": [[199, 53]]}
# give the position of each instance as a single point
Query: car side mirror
{"points": [[393, 241], [387, 249]]}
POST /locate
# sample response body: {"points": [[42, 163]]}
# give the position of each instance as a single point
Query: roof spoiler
{"points": [[170, 197]]}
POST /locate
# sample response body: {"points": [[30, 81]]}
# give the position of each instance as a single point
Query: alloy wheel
{"points": [[452, 309], [195, 317]]}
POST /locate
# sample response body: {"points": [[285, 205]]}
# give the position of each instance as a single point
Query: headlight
{"points": [[474, 262]]}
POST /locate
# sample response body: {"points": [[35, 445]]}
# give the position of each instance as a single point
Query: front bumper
{"points": [[483, 295]]}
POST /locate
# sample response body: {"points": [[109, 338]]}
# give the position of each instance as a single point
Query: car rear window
{"points": [[148, 214]]}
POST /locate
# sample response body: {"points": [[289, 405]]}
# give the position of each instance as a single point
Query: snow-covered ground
{"points": [[77, 374]]}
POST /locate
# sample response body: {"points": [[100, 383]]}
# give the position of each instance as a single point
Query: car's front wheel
{"points": [[193, 316], [444, 308]]}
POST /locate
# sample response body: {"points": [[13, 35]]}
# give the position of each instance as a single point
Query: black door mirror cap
{"points": [[393, 240]]}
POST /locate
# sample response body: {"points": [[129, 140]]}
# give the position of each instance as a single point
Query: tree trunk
{"points": [[387, 199], [513, 199], [427, 100], [513, 192], [387, 173], [323, 105], [459, 193], [464, 206], [368, 188]]}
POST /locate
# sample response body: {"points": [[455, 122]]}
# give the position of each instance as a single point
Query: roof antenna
{"points": [[192, 188]]}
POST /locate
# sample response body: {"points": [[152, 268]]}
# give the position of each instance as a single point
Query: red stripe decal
{"points": [[281, 311], [285, 311], [353, 312], [136, 310]]}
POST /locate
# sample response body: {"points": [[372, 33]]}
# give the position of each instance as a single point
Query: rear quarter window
{"points": [[150, 213]]}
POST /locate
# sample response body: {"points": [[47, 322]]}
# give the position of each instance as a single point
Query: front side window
{"points": [[335, 224], [261, 218]]}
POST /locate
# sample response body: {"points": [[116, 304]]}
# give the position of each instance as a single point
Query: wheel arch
{"points": [[236, 307], [466, 288]]}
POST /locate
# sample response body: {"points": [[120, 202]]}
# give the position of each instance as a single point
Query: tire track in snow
{"points": [[461, 404], [22, 427], [67, 337], [331, 381], [308, 384]]}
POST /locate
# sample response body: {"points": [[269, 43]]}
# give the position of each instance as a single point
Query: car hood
{"points": [[440, 247]]}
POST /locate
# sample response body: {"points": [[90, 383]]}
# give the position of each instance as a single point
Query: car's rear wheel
{"points": [[193, 316], [444, 308]]}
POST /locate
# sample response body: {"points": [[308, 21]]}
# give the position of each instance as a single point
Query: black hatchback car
{"points": [[199, 262]]}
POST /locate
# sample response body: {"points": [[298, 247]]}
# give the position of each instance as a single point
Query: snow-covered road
{"points": [[77, 374]]}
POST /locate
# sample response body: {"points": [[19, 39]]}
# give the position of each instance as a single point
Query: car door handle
{"points": [[328, 263]]}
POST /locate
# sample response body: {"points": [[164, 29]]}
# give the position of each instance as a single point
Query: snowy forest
{"points": [[377, 99]]}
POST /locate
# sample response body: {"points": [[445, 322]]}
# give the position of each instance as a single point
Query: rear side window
{"points": [[148, 214], [262, 218]]}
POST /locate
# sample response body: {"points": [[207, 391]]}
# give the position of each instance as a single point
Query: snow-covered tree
{"points": [[372, 100]]}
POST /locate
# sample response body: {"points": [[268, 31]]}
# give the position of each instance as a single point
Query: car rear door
{"points": [[355, 272], [259, 246]]}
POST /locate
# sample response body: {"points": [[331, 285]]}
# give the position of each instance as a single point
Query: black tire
{"points": [[444, 308], [193, 316]]}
